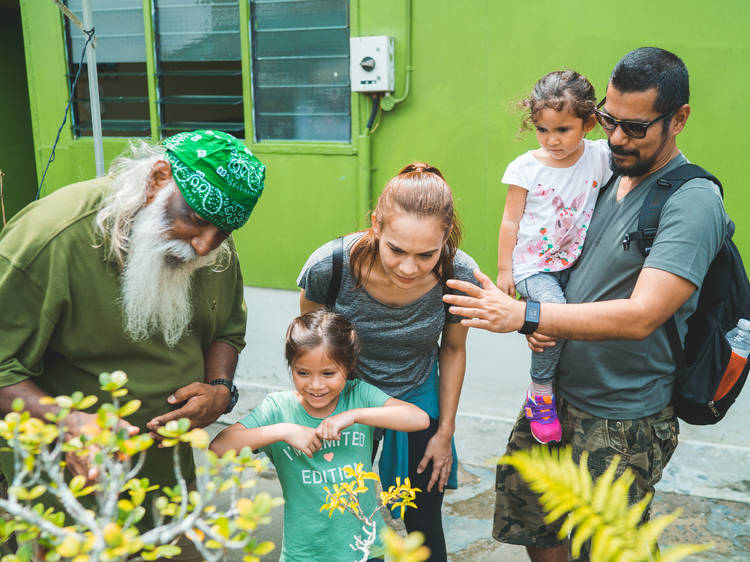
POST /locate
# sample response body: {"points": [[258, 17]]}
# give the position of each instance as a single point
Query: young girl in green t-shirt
{"points": [[312, 432]]}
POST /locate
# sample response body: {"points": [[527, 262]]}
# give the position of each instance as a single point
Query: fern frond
{"points": [[584, 531], [595, 510], [649, 532], [635, 511], [601, 498], [674, 553]]}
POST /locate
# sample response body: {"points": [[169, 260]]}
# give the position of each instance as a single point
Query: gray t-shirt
{"points": [[626, 379], [399, 343]]}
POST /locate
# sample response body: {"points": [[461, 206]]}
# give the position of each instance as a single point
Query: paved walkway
{"points": [[708, 477]]}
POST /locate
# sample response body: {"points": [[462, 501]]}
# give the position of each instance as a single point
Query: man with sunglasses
{"points": [[615, 376]]}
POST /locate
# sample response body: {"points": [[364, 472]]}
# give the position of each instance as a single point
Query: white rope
{"points": [[70, 15]]}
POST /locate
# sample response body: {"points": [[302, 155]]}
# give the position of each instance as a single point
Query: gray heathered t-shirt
{"points": [[626, 379], [399, 343]]}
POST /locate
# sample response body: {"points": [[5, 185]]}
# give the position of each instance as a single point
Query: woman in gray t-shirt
{"points": [[391, 289]]}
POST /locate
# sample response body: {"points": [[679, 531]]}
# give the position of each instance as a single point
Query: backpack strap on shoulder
{"points": [[606, 186], [648, 220], [678, 352], [648, 225], [336, 271]]}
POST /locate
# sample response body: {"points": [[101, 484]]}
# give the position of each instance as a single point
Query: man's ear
{"points": [[161, 174], [679, 119]]}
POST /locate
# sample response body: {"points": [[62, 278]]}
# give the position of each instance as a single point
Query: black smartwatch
{"points": [[531, 319], [233, 392]]}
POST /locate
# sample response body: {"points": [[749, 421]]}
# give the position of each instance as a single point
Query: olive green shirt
{"points": [[61, 322]]}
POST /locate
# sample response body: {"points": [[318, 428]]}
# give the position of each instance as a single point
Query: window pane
{"points": [[198, 30], [272, 14], [121, 66], [301, 70], [198, 57], [309, 43], [305, 127]]}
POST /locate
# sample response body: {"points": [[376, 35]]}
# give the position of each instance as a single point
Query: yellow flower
{"points": [[405, 549]]}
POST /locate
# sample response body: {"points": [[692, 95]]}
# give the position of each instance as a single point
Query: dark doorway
{"points": [[16, 141]]}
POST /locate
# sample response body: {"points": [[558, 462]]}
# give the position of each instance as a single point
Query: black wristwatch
{"points": [[531, 319], [233, 392]]}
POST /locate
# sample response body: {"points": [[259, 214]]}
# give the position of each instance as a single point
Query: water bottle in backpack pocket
{"points": [[739, 339]]}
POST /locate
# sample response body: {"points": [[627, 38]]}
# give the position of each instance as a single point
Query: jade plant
{"points": [[91, 521]]}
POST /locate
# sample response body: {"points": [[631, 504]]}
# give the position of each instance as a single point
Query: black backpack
{"points": [[704, 390], [336, 271]]}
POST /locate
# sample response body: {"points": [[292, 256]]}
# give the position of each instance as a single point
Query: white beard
{"points": [[157, 277]]}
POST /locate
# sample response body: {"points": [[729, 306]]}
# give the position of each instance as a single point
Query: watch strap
{"points": [[531, 317], [233, 392]]}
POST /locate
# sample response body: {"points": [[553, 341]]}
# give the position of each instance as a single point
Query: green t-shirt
{"points": [[61, 323], [309, 534], [628, 379]]}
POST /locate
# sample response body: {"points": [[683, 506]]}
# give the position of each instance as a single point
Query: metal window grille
{"points": [[300, 60], [199, 65], [120, 63]]}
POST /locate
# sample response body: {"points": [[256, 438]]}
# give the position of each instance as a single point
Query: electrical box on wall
{"points": [[371, 64]]}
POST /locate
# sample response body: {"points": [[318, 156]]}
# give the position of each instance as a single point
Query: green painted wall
{"points": [[471, 61], [16, 143]]}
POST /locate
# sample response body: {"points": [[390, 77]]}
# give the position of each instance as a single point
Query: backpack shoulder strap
{"points": [[678, 352], [648, 224], [648, 220], [336, 270], [606, 186]]}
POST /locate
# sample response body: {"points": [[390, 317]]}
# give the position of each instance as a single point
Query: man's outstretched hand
{"points": [[486, 307]]}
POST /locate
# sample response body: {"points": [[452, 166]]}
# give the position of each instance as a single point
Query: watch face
{"points": [[532, 313], [531, 317]]}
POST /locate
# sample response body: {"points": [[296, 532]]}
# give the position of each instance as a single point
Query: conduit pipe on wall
{"points": [[364, 159], [364, 153], [389, 101], [364, 196]]}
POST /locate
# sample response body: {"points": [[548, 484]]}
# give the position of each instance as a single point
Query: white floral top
{"points": [[558, 208]]}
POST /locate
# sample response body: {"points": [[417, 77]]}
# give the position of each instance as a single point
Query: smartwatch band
{"points": [[233, 392], [531, 318]]}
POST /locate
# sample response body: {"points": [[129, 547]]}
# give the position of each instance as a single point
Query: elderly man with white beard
{"points": [[135, 271]]}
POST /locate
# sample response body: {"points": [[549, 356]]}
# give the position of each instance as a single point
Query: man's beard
{"points": [[640, 167], [157, 277]]}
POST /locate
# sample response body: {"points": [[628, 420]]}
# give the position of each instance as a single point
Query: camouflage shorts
{"points": [[645, 445]]}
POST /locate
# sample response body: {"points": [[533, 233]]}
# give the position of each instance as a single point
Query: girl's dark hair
{"points": [[421, 190], [327, 329], [557, 90]]}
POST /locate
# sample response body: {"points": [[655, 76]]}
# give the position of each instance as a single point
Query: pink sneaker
{"points": [[541, 412]]}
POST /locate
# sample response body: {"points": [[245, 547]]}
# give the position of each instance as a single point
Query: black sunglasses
{"points": [[633, 129]]}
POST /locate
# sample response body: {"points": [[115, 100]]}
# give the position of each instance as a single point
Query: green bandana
{"points": [[219, 177]]}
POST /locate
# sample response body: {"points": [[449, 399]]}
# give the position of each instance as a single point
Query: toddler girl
{"points": [[313, 432], [551, 196]]}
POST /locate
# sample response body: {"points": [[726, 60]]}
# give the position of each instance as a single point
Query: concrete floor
{"points": [[708, 477]]}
